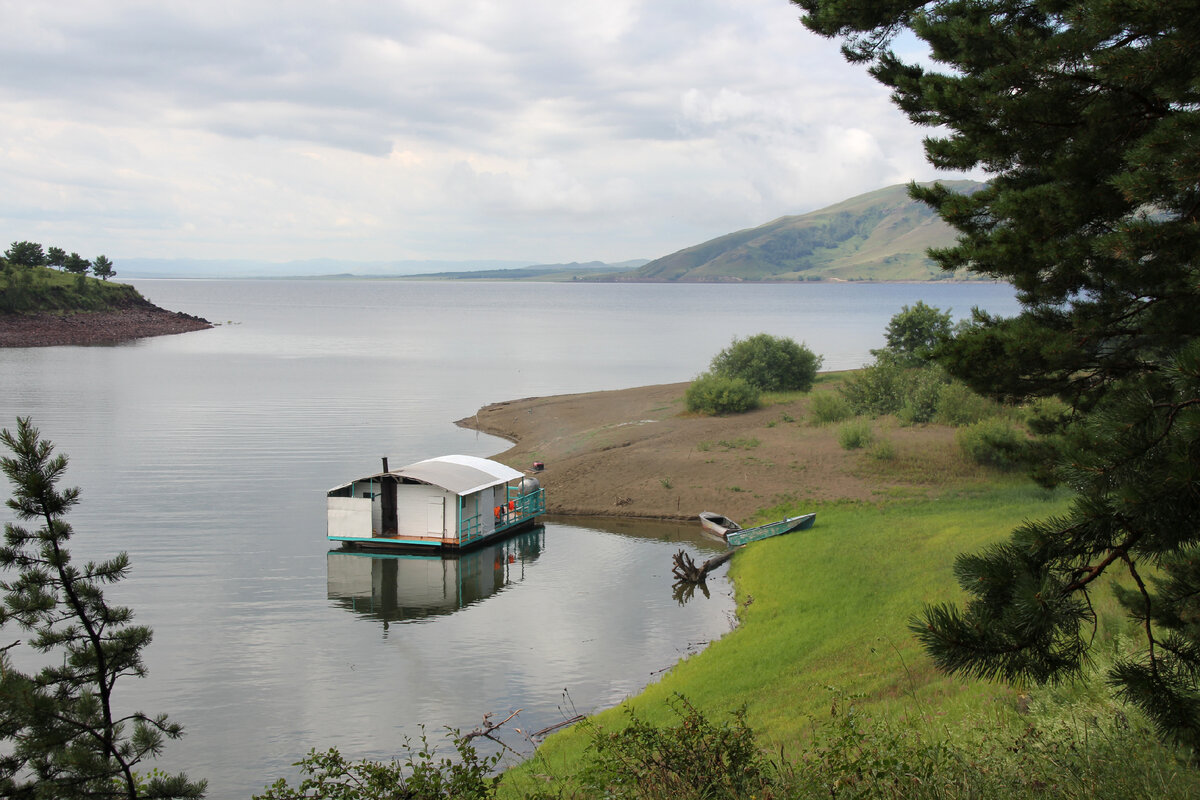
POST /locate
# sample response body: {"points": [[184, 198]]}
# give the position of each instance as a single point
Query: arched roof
{"points": [[462, 475]]}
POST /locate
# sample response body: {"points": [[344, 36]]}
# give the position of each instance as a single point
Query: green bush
{"points": [[719, 394], [854, 435], [773, 364], [922, 391], [957, 405], [694, 759], [879, 388], [422, 775], [828, 407], [994, 443]]}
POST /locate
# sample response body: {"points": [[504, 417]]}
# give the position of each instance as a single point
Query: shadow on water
{"points": [[409, 587], [658, 530]]}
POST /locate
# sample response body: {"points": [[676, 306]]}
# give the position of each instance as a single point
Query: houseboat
{"points": [[446, 503]]}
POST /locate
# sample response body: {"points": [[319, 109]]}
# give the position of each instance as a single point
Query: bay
{"points": [[206, 457]]}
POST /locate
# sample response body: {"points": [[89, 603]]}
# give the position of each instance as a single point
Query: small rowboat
{"points": [[747, 535], [717, 525]]}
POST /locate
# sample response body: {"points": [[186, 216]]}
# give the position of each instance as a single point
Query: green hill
{"points": [[881, 235], [31, 290]]}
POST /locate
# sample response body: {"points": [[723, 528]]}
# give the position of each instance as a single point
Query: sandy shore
{"points": [[94, 327], [638, 453]]}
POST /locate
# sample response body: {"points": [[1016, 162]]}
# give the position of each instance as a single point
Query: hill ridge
{"points": [[879, 235]]}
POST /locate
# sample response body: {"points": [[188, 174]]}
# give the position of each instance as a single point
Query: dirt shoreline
{"points": [[639, 453], [95, 327]]}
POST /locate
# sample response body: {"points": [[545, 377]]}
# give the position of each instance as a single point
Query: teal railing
{"points": [[520, 508], [470, 529], [524, 506]]}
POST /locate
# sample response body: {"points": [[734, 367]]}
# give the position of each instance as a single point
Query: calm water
{"points": [[206, 457]]}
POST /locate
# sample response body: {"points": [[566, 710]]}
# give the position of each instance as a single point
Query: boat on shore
{"points": [[717, 526], [747, 535]]}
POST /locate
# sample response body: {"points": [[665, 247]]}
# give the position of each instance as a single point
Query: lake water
{"points": [[206, 457]]}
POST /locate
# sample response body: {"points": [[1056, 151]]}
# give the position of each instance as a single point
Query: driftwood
{"points": [[686, 571], [489, 727], [556, 726]]}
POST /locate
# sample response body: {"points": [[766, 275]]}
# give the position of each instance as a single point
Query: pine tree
{"points": [[1086, 115], [103, 268], [76, 264], [60, 734]]}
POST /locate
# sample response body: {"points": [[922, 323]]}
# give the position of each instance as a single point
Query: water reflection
{"points": [[402, 588]]}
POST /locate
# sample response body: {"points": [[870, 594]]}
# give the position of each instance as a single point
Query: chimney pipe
{"points": [[385, 469]]}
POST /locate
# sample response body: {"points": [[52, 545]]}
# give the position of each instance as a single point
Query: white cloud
{"points": [[469, 128]]}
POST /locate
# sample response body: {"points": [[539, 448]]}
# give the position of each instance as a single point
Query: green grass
{"points": [[41, 289], [829, 608]]}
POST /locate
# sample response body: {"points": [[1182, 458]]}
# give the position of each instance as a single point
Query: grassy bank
{"points": [[823, 626], [28, 290]]}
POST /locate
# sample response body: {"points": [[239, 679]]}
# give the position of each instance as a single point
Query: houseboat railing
{"points": [[470, 529], [519, 508]]}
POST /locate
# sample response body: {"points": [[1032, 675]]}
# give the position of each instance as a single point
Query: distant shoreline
{"points": [[48, 329]]}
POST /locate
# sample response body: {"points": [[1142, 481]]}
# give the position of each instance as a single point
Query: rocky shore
{"points": [[95, 327]]}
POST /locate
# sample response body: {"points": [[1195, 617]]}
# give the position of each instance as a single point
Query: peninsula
{"points": [[41, 306], [639, 453], [135, 321]]}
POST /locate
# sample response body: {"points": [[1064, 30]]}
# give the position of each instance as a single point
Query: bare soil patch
{"points": [[639, 453]]}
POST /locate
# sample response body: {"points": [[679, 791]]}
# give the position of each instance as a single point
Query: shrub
{"points": [[694, 759], [958, 405], [854, 435], [883, 450], [422, 775], [773, 364], [828, 407], [923, 388], [719, 394], [992, 442], [879, 388]]}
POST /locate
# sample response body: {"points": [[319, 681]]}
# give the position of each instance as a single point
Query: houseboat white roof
{"points": [[462, 475]]}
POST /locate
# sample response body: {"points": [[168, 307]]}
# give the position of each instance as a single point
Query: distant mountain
{"points": [[881, 235], [540, 272], [314, 267]]}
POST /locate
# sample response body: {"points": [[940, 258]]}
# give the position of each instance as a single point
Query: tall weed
{"points": [[854, 435], [828, 407]]}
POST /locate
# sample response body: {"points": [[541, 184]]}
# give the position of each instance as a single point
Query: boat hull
{"points": [[747, 535], [717, 525]]}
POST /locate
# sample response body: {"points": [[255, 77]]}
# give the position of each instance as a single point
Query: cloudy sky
{"points": [[364, 130]]}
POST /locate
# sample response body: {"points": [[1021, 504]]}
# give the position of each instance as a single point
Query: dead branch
{"points": [[686, 570], [486, 729], [556, 726]]}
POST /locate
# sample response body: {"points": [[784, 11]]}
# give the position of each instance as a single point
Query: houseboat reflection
{"points": [[399, 587]]}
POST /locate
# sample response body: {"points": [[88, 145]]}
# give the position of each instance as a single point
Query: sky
{"points": [[381, 130]]}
